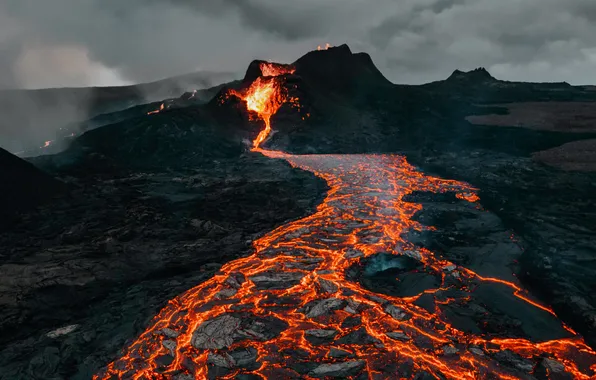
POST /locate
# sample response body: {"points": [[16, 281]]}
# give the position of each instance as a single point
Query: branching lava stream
{"points": [[289, 310]]}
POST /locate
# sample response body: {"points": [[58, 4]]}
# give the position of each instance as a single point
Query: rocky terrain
{"points": [[397, 273], [152, 204], [85, 273]]}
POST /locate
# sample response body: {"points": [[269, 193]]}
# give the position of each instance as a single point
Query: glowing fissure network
{"points": [[289, 310]]}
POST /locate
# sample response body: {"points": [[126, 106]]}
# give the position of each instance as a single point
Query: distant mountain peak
{"points": [[479, 74]]}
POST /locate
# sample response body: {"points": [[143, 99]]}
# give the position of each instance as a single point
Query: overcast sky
{"points": [[56, 43]]}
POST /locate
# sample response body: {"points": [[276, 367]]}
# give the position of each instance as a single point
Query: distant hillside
{"points": [[30, 117], [22, 186]]}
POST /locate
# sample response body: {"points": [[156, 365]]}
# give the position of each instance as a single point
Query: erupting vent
{"points": [[265, 96]]}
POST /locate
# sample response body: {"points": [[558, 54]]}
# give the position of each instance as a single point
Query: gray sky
{"points": [[57, 43]]}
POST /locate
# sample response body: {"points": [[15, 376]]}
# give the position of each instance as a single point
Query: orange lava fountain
{"points": [[265, 96], [294, 288], [161, 108]]}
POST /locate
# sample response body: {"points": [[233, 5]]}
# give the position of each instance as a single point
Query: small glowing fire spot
{"points": [[327, 46], [47, 144], [161, 108], [470, 197]]}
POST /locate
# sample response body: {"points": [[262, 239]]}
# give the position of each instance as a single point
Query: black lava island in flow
{"points": [[311, 220]]}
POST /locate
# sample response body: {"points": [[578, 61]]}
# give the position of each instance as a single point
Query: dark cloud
{"points": [[289, 21], [539, 40], [412, 41], [443, 5]]}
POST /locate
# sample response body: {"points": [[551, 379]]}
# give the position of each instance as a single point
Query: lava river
{"points": [[291, 309]]}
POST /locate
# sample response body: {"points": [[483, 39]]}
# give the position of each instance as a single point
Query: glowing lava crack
{"points": [[289, 310]]}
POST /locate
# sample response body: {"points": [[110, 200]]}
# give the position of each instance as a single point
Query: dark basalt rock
{"points": [[479, 75], [224, 330], [338, 370], [337, 353], [276, 280], [339, 69], [121, 244], [320, 336], [318, 308], [358, 337], [23, 186]]}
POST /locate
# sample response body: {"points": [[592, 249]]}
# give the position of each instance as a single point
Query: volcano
{"points": [[312, 220]]}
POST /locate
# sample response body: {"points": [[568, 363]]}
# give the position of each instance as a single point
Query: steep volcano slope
{"points": [[23, 186]]}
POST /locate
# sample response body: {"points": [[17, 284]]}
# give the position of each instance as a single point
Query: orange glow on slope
{"points": [[270, 69], [161, 108], [265, 96], [363, 214], [327, 46]]}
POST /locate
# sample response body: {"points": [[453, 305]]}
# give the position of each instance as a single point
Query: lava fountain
{"points": [[290, 310], [265, 96], [161, 108]]}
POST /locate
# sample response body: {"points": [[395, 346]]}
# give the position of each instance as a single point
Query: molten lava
{"points": [[270, 69], [47, 144], [281, 312], [327, 46], [161, 108], [265, 96]]}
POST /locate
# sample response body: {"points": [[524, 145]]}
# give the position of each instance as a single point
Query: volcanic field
{"points": [[311, 221]]}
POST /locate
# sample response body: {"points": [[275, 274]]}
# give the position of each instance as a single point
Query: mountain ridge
{"points": [[23, 186]]}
